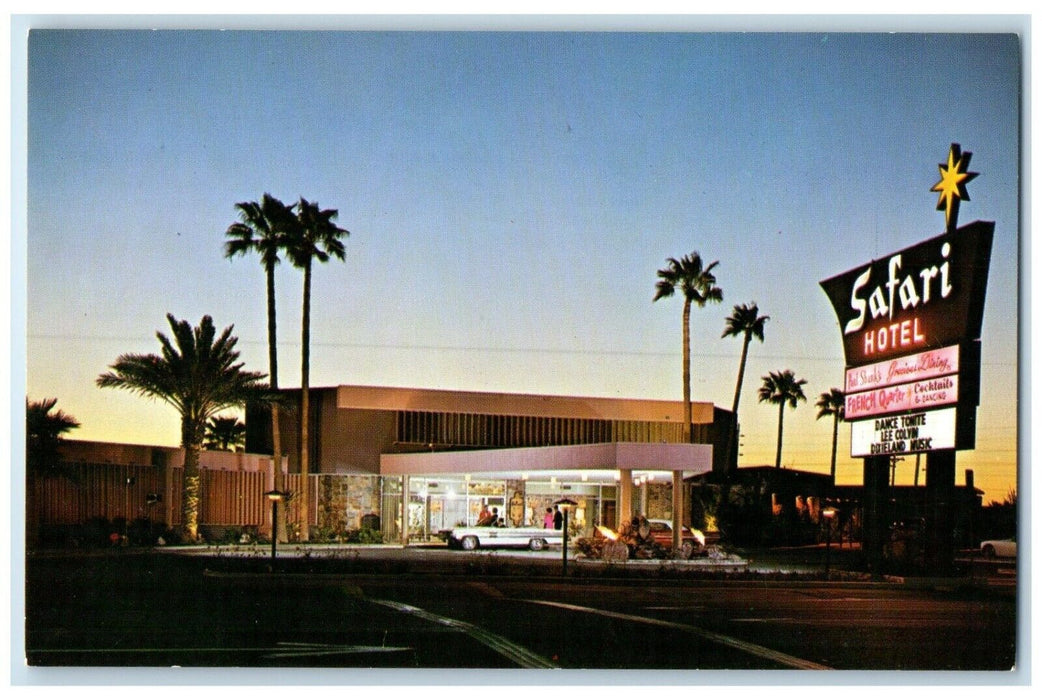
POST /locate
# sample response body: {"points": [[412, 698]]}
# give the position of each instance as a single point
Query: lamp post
{"points": [[828, 514], [274, 496], [565, 504]]}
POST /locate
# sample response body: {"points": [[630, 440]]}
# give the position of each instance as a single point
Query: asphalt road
{"points": [[147, 610]]}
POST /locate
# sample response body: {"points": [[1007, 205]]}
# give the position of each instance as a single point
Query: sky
{"points": [[510, 196]]}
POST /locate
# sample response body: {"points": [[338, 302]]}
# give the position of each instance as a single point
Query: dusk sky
{"points": [[509, 198]]}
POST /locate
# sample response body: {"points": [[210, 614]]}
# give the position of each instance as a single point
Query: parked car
{"points": [[999, 548], [692, 542], [535, 538]]}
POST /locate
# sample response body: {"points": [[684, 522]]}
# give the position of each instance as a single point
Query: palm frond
{"points": [[745, 320], [782, 388], [831, 403]]}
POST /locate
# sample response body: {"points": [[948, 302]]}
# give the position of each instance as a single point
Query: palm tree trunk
{"points": [[279, 528], [781, 422], [741, 375], [191, 441], [733, 430], [835, 435], [686, 430], [305, 368]]}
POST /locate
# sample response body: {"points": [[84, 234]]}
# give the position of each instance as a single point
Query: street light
{"points": [[275, 496], [828, 514], [565, 504]]}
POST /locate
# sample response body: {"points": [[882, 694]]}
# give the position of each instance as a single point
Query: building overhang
{"points": [[689, 459]]}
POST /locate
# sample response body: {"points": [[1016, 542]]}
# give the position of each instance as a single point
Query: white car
{"points": [[535, 538], [1006, 548]]}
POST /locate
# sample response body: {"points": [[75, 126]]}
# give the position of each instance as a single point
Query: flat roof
{"points": [[537, 405]]}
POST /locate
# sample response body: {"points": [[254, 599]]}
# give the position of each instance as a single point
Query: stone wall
{"points": [[344, 498], [660, 500]]}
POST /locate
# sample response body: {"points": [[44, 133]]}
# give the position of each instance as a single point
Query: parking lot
{"points": [[429, 608]]}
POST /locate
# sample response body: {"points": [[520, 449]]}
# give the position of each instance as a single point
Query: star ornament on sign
{"points": [[952, 186]]}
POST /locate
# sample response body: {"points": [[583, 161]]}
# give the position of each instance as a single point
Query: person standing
{"points": [[548, 519], [558, 518]]}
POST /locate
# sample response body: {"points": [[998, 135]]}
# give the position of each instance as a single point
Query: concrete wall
{"points": [[353, 441], [342, 441], [116, 453]]}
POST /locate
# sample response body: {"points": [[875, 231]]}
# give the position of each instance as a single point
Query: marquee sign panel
{"points": [[917, 367], [905, 434], [914, 396]]}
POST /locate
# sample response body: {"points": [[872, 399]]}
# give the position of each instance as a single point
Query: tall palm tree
{"points": [[698, 284], [225, 433], [265, 229], [832, 403], [745, 320], [43, 436], [315, 237], [198, 374], [781, 388]]}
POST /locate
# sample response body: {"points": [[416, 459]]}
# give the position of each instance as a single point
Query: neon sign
{"points": [[917, 367], [925, 297], [914, 396], [911, 325]]}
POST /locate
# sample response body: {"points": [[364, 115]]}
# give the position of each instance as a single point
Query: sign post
{"points": [[911, 324]]}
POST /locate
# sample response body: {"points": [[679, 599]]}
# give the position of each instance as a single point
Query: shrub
{"points": [[326, 533], [364, 535]]}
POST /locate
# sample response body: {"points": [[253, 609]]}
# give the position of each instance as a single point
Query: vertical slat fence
{"points": [[111, 491]]}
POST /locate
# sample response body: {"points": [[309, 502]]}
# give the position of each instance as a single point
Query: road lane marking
{"points": [[748, 647], [296, 649], [515, 652], [288, 649], [769, 619]]}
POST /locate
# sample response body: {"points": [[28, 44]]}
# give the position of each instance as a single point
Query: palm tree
{"points": [[43, 436], [745, 320], [699, 286], [832, 403], [782, 388], [264, 229], [225, 433], [315, 237], [199, 376]]}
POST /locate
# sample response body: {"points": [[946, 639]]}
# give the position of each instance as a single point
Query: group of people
{"points": [[490, 519], [552, 520]]}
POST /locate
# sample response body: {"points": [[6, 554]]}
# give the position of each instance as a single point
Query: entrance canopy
{"points": [[690, 460]]}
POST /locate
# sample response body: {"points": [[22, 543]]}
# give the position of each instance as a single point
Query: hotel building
{"points": [[426, 460]]}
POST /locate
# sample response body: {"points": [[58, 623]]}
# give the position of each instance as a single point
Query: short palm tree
{"points": [[315, 237], [781, 388], [832, 403], [264, 229], [43, 436], [199, 375], [745, 320], [698, 285], [225, 433]]}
